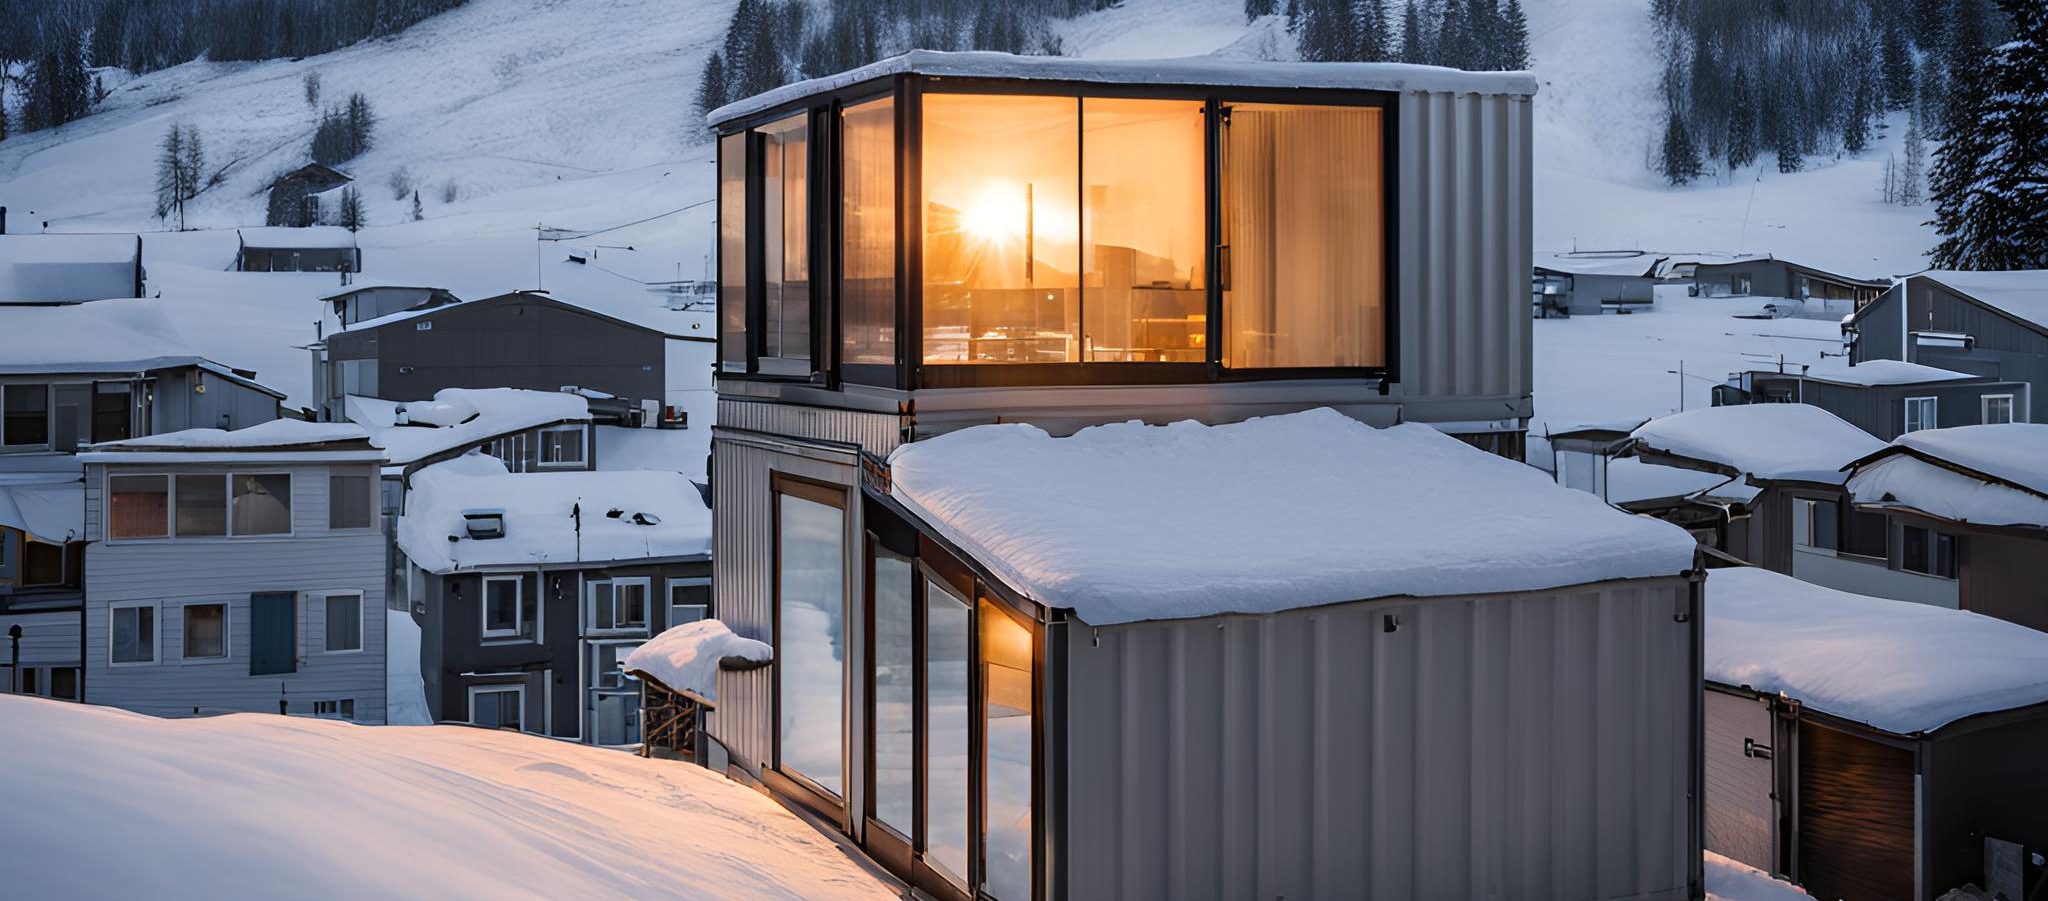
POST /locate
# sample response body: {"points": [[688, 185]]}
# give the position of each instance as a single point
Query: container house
{"points": [[1768, 276], [69, 268], [1584, 283], [363, 301], [1870, 749], [311, 248], [1988, 324], [1886, 398]]}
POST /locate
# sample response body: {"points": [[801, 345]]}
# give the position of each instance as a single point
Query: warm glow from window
{"points": [[999, 213]]}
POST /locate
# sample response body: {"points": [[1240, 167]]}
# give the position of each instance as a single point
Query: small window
{"points": [[110, 411], [604, 664], [497, 707], [348, 501], [561, 446], [64, 682], [27, 420], [263, 504], [133, 636], [44, 564], [206, 634], [138, 506], [505, 608], [202, 506], [344, 622], [344, 709], [1997, 409], [1867, 535], [1819, 523], [28, 680], [1921, 414], [689, 600], [1928, 552], [619, 605]]}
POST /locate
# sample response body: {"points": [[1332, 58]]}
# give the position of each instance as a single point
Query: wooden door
{"points": [[1855, 817]]}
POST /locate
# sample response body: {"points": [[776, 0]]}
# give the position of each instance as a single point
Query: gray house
{"points": [[69, 268], [364, 301], [1988, 324], [296, 196], [236, 571], [1768, 276], [1583, 283], [314, 248], [1886, 398]]}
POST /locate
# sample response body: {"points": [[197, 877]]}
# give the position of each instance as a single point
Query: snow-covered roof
{"points": [[539, 528], [1772, 442], [633, 304], [276, 434], [1130, 522], [2022, 293], [48, 506], [673, 450], [1992, 475], [686, 658], [317, 237], [1195, 70], [66, 268], [1873, 373], [128, 335], [387, 285], [1625, 263], [1630, 480], [460, 417], [1896, 665]]}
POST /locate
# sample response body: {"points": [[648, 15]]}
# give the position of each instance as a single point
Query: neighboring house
{"points": [[236, 571], [1970, 503], [1584, 283], [1886, 398], [1988, 324], [42, 544], [363, 301], [535, 585], [1871, 749], [318, 248], [296, 197], [1768, 276], [1014, 665], [69, 268]]}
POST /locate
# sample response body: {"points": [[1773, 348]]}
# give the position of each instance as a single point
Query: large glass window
{"points": [[1996, 409], [263, 504], [1002, 255], [948, 620], [202, 506], [1006, 753], [811, 619], [138, 506], [867, 287], [785, 230], [1867, 535], [27, 418], [132, 631], [732, 252], [895, 692], [1303, 236], [1143, 294]]}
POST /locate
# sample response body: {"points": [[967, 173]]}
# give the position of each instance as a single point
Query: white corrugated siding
{"points": [[1529, 746], [1741, 817]]}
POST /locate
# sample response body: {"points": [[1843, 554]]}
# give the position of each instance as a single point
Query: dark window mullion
{"points": [[757, 269]]}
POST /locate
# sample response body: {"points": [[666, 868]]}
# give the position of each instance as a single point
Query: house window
{"points": [[26, 422], [867, 218], [948, 711], [1006, 685], [1817, 523], [1303, 270], [1867, 535], [1739, 284], [895, 703], [72, 422], [45, 564], [604, 663], [138, 506], [1920, 413], [262, 504], [1927, 551], [111, 416], [1143, 220], [344, 709], [64, 682], [1997, 409], [689, 600], [504, 608], [348, 501], [497, 706], [785, 340], [561, 446], [132, 635], [344, 622], [618, 605], [359, 377], [810, 600], [28, 680], [202, 506], [732, 252], [511, 449], [206, 633]]}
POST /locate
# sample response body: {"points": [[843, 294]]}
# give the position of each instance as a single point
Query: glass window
{"points": [[619, 605], [810, 662], [1927, 551], [785, 233], [43, 563], [206, 631], [64, 682], [1002, 256], [202, 503], [504, 609], [867, 289], [947, 714], [1006, 689], [348, 501], [28, 680], [1997, 409], [1920, 414], [732, 252], [562, 446], [110, 411], [1143, 295], [133, 631], [263, 504], [1826, 524], [344, 709], [138, 506], [1867, 535], [1303, 221], [895, 693], [497, 708], [344, 622], [604, 665], [689, 600], [27, 418], [73, 423]]}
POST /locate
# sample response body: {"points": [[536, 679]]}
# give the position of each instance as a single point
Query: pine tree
{"points": [[711, 89], [1681, 158], [418, 212], [350, 214], [361, 123], [1856, 131], [1742, 103], [1325, 31], [1256, 8], [1988, 186], [1898, 67], [195, 163], [1454, 37], [1912, 172], [1374, 43], [1411, 34], [1514, 41], [310, 85], [170, 176], [1788, 130]]}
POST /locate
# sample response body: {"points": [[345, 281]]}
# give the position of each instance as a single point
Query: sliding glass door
{"points": [[1007, 738], [810, 612], [948, 742]]}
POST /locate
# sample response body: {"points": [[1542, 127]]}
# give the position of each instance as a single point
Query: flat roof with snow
{"points": [[460, 417], [1632, 264], [126, 335], [2022, 293], [1771, 442], [278, 438], [1877, 373], [1129, 522], [540, 525], [1988, 475], [68, 268], [1899, 666]]}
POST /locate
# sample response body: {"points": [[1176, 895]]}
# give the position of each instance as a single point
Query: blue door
{"points": [[273, 633]]}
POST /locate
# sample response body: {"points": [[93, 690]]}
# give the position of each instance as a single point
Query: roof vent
{"points": [[646, 519], [484, 522]]}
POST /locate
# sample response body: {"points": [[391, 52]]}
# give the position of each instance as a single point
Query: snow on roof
{"points": [[1626, 263], [319, 237], [2003, 479], [1194, 70], [361, 286], [1896, 665], [1130, 522], [1630, 479], [65, 268], [260, 806], [128, 335], [686, 657], [1782, 442], [1881, 372], [277, 433], [674, 450], [47, 506], [2021, 293], [460, 417], [539, 527]]}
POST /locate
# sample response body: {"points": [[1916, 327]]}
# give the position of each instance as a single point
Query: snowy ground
{"points": [[267, 806], [1731, 880]]}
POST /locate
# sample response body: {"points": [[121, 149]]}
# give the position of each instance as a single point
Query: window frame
{"points": [[343, 709], [646, 626], [375, 500], [668, 589], [1932, 418], [483, 611], [1984, 408], [362, 620], [812, 794], [156, 632], [540, 451], [227, 649], [49, 415], [227, 476], [518, 688]]}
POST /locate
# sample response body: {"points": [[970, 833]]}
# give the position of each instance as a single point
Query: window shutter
{"points": [[273, 633]]}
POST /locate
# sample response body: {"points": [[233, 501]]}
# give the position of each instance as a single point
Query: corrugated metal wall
{"points": [[1742, 816], [1527, 747], [1465, 234], [877, 433]]}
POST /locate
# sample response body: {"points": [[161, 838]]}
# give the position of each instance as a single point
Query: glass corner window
{"points": [[732, 252], [784, 345], [867, 286]]}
